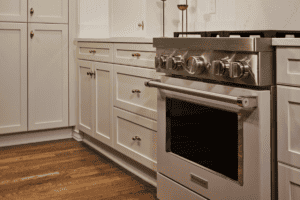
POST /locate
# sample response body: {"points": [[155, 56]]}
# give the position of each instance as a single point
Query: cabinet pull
{"points": [[31, 34], [136, 138], [136, 54], [89, 73], [141, 25], [136, 91], [92, 51], [31, 11]]}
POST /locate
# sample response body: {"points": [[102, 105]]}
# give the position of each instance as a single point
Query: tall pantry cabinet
{"points": [[34, 65]]}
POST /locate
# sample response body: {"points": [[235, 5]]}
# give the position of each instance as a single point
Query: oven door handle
{"points": [[242, 101]]}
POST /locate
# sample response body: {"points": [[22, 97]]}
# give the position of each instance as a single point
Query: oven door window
{"points": [[205, 136]]}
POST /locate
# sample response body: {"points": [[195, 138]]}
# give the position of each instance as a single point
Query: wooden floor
{"points": [[66, 169]]}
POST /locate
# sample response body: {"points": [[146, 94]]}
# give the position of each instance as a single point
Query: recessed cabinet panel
{"points": [[288, 65], [95, 51], [288, 182], [103, 101], [13, 10], [45, 11], [13, 77], [136, 137], [86, 97], [288, 125], [48, 76], [142, 55], [131, 93]]}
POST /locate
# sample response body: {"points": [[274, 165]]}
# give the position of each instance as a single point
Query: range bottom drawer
{"points": [[135, 136], [170, 190]]}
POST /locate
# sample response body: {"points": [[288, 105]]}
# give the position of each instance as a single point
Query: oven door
{"points": [[217, 149]]}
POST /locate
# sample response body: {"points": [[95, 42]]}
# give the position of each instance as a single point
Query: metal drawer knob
{"points": [[92, 51], [31, 11], [136, 91], [136, 138], [136, 54], [31, 34]]}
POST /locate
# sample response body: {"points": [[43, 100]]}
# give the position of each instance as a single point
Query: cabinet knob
{"points": [[31, 11], [89, 73], [136, 138], [136, 91], [136, 54], [92, 51], [31, 34]]}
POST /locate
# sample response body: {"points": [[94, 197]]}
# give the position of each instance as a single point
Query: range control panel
{"points": [[248, 68]]}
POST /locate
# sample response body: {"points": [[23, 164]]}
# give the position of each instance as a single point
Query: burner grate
{"points": [[262, 34]]}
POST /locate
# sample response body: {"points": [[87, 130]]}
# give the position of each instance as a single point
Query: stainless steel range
{"points": [[216, 134]]}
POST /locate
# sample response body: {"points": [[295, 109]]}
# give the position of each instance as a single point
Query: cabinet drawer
{"points": [[127, 126], [288, 65], [170, 190], [288, 124], [288, 182], [123, 54], [126, 81], [95, 51]]}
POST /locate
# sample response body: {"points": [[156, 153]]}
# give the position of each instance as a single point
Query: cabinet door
{"points": [[288, 182], [13, 10], [103, 102], [126, 15], [13, 77], [288, 120], [47, 76], [48, 11], [86, 90]]}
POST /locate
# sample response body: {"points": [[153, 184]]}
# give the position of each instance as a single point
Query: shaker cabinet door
{"points": [[13, 10], [47, 76], [288, 122], [86, 90], [48, 11], [126, 17], [13, 77], [103, 102]]}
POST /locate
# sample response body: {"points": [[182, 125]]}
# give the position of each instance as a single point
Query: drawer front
{"points": [[142, 55], [131, 93], [128, 127], [288, 125], [288, 182], [288, 65], [95, 51], [168, 189]]}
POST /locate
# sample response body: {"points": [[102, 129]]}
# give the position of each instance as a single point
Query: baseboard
{"points": [[77, 135], [35, 136], [138, 169]]}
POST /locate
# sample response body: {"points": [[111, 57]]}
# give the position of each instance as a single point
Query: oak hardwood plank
{"points": [[66, 169]]}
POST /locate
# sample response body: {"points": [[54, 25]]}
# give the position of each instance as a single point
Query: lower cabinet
{"points": [[288, 182], [95, 100], [135, 136]]}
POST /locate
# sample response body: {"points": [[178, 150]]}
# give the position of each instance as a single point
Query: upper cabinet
{"points": [[13, 10], [45, 11], [128, 17]]}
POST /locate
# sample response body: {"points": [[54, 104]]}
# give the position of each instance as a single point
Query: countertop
{"points": [[286, 42], [117, 40]]}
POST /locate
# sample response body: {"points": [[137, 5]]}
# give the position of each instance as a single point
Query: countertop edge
{"points": [[118, 40], [286, 42]]}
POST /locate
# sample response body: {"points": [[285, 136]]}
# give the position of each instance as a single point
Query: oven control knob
{"points": [[239, 70], [196, 64], [177, 62], [163, 61], [221, 67], [156, 62]]}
